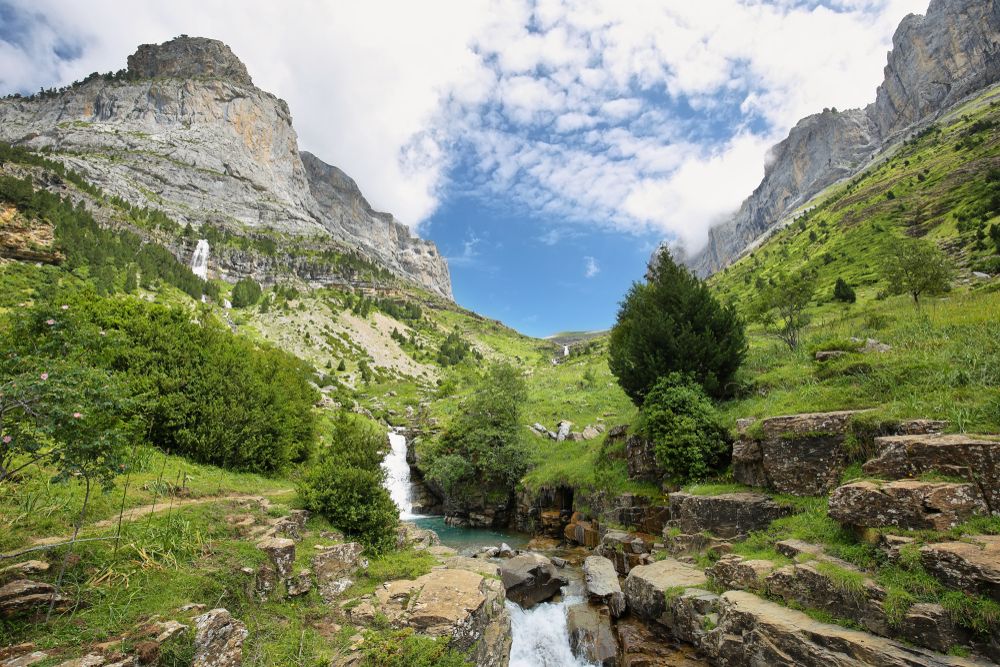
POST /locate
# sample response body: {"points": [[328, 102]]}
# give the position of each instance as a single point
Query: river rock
{"points": [[736, 572], [218, 640], [505, 551], [728, 515], [969, 457], [459, 604], [972, 566], [601, 581], [334, 567], [24, 597], [590, 635], [840, 590], [531, 578], [647, 586], [281, 551], [908, 503]]}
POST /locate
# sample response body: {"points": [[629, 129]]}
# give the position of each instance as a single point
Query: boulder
{"points": [[735, 572], [505, 551], [590, 635], [908, 503], [24, 597], [459, 604], [972, 458], [754, 631], [281, 551], [973, 566], [563, 430], [640, 460], [647, 586], [601, 581], [690, 614], [531, 578], [840, 590], [928, 624], [420, 538], [728, 515], [590, 432], [802, 454], [586, 533], [334, 567], [299, 584], [626, 550], [218, 640], [292, 525]]}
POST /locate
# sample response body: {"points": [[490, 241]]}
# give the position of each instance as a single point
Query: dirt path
{"points": [[162, 506]]}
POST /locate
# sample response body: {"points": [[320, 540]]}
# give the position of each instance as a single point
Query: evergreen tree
{"points": [[246, 293], [844, 292]]}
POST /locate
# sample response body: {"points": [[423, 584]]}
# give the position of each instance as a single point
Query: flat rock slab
{"points": [[973, 566], [602, 585], [728, 515], [735, 572], [969, 457], [908, 503], [647, 586]]}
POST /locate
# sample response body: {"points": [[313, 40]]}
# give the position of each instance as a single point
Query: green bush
{"points": [[689, 440], [246, 292], [345, 484], [844, 292], [673, 323]]}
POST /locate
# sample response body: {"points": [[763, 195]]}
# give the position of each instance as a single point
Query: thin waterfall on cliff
{"points": [[199, 261], [541, 636], [397, 474]]}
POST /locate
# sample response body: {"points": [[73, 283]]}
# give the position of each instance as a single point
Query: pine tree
{"points": [[844, 292]]}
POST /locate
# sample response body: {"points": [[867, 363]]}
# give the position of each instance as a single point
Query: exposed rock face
{"points": [[459, 604], [732, 571], [935, 61], [729, 515], [531, 578], [590, 635], [187, 132], [218, 640], [647, 586], [281, 551], [23, 597], [973, 566], [907, 503], [601, 581], [970, 457], [334, 567], [626, 550]]}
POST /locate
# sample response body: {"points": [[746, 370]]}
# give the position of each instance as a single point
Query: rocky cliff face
{"points": [[186, 131], [936, 60]]}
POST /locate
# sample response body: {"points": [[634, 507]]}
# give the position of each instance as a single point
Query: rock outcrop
{"points": [[936, 60], [218, 640], [647, 586], [907, 503], [531, 578], [186, 131], [601, 581], [728, 515], [972, 566]]}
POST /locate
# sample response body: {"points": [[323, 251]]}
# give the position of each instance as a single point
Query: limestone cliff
{"points": [[185, 130], [936, 61]]}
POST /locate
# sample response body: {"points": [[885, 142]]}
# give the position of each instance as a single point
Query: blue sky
{"points": [[546, 146]]}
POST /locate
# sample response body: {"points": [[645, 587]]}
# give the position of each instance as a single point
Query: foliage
{"points": [[198, 389], [672, 323], [454, 349], [781, 305], [246, 292], [404, 648], [345, 484], [483, 447], [916, 267], [689, 440], [844, 292]]}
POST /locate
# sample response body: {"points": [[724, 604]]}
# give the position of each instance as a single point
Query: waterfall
{"points": [[565, 350], [397, 475], [199, 261], [541, 636]]}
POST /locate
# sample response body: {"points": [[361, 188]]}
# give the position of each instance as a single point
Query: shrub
{"points": [[917, 267], [673, 323], [246, 292], [345, 484], [689, 440], [844, 292], [781, 305]]}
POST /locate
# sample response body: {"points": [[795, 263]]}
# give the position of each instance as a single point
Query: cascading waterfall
{"points": [[397, 473], [541, 636], [199, 260], [565, 350]]}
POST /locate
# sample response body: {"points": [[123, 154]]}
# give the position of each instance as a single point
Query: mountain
{"points": [[184, 130], [936, 61]]}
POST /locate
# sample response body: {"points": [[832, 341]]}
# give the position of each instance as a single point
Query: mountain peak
{"points": [[188, 57]]}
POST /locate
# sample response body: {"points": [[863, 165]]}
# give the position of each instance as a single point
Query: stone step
{"points": [[972, 566], [647, 586], [908, 503]]}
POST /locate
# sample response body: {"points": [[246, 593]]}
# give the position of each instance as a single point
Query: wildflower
{"points": [[65, 307], [7, 439], [44, 376], [50, 321], [104, 333], [77, 415]]}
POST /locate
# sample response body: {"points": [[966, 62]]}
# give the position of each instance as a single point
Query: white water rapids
{"points": [[540, 635], [199, 260], [397, 475]]}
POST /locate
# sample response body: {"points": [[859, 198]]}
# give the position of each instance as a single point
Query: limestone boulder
{"points": [[590, 635], [972, 458], [531, 578], [218, 640], [728, 515], [281, 552], [736, 572], [601, 581], [972, 566], [647, 586], [334, 567], [907, 503]]}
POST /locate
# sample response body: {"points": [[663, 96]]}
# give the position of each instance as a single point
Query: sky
{"points": [[547, 147]]}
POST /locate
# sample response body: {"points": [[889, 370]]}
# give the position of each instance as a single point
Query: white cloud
{"points": [[590, 267], [577, 111]]}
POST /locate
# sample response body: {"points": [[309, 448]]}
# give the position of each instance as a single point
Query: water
{"points": [[471, 540], [565, 350], [199, 260], [397, 472], [540, 635]]}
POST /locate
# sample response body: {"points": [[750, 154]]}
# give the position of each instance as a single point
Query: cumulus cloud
{"points": [[590, 267], [637, 116]]}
